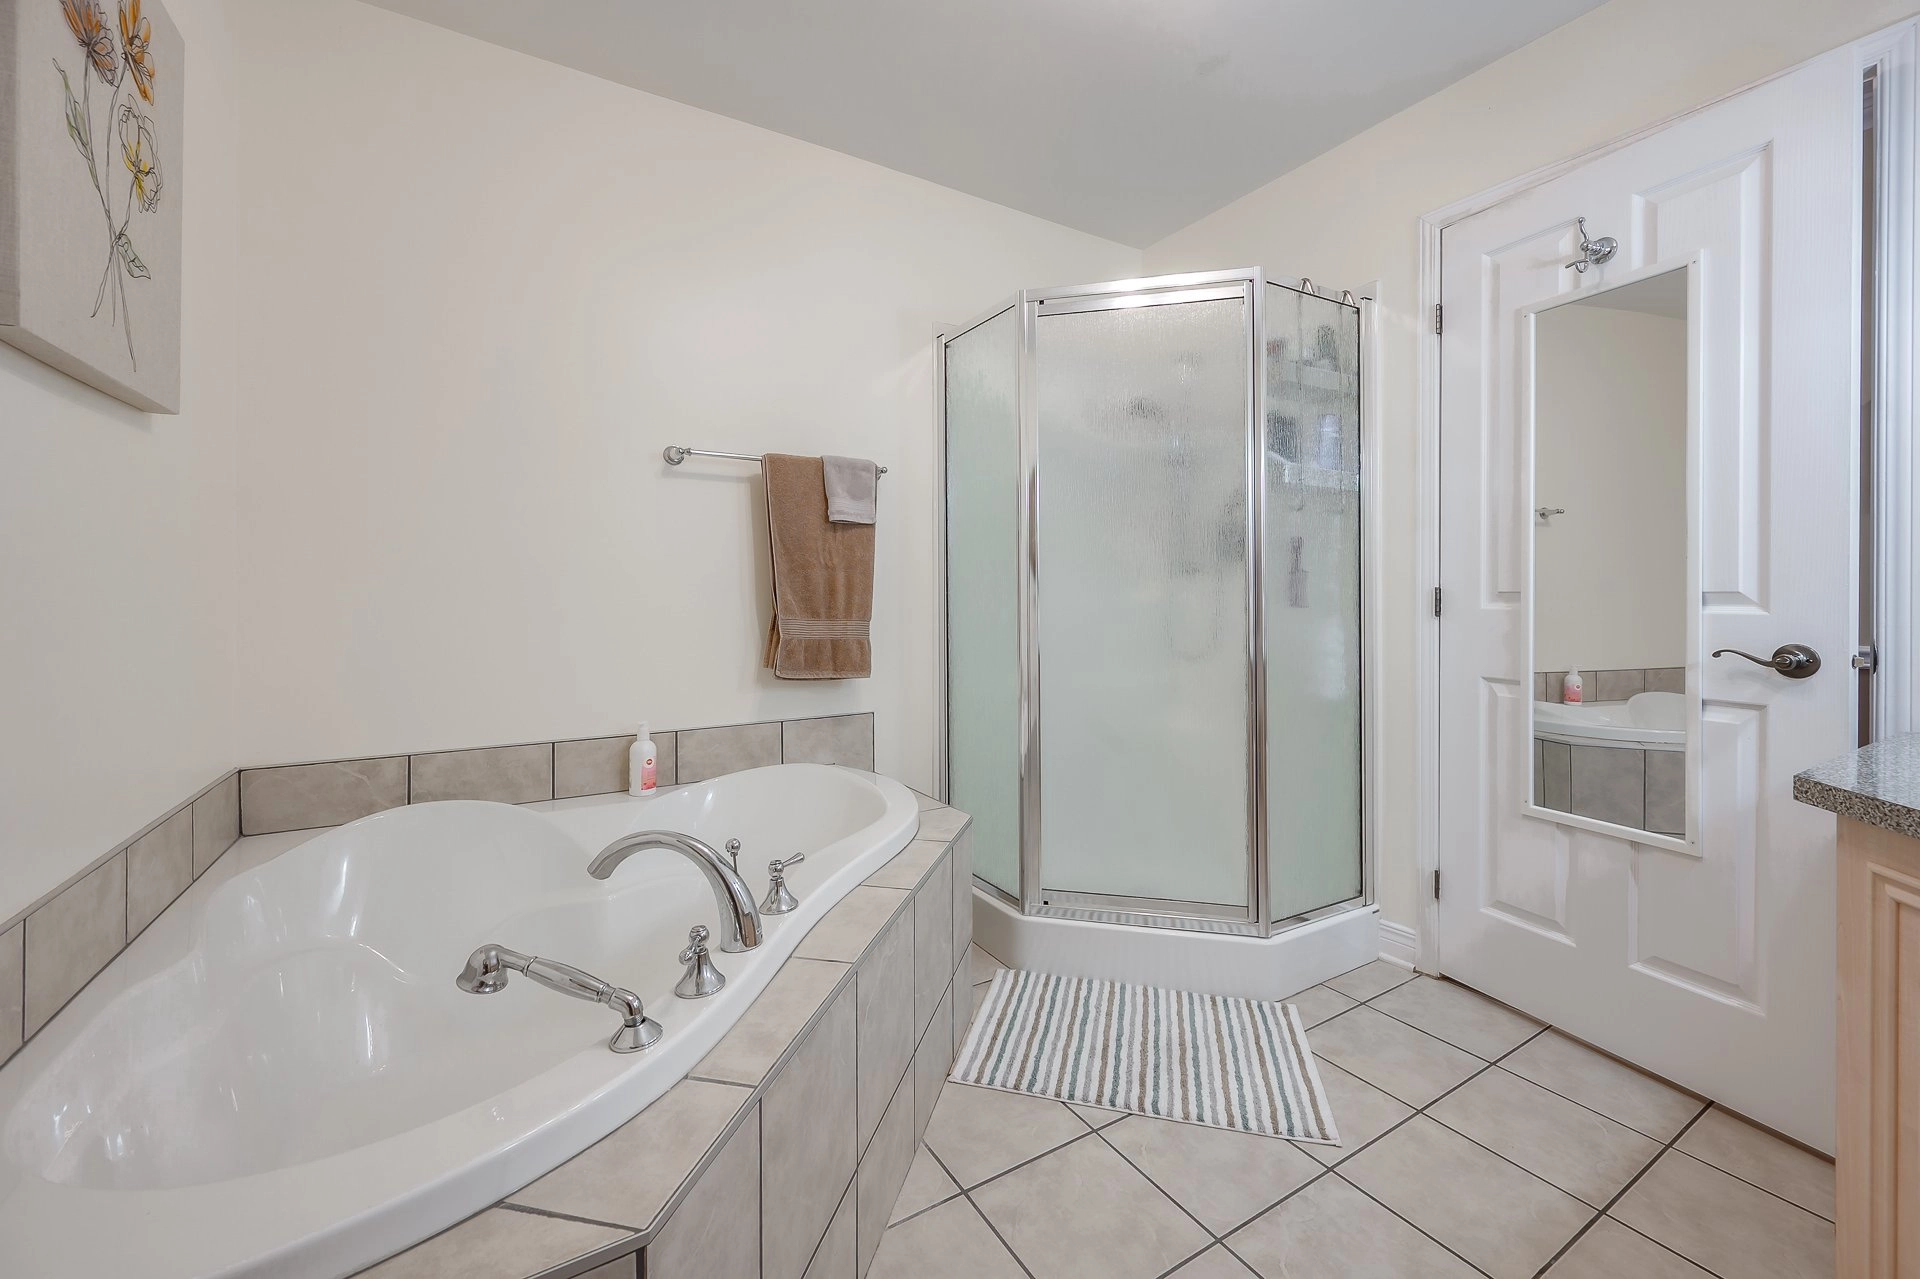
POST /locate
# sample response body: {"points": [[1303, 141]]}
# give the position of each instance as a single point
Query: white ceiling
{"points": [[1125, 118]]}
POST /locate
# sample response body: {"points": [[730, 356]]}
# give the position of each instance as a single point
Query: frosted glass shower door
{"points": [[1142, 457], [1311, 567], [983, 622]]}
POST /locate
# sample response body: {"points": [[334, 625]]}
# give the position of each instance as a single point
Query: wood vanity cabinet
{"points": [[1878, 1115]]}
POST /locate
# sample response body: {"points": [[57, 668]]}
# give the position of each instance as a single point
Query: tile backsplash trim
{"points": [[51, 950], [1613, 685], [302, 796]]}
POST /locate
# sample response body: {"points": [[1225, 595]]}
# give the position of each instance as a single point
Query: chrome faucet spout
{"points": [[739, 920]]}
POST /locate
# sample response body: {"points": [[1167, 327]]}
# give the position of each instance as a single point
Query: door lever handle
{"points": [[1795, 661]]}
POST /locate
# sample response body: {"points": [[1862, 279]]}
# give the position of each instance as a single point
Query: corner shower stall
{"points": [[1153, 630]]}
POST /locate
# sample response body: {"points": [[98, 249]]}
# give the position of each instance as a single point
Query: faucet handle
{"points": [[780, 899], [701, 978]]}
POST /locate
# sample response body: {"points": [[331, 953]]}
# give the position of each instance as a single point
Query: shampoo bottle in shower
{"points": [[1572, 690], [643, 764]]}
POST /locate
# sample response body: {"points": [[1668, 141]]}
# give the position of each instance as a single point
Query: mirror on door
{"points": [[1611, 624]]}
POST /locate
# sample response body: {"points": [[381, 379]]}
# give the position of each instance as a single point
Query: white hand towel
{"points": [[853, 487]]}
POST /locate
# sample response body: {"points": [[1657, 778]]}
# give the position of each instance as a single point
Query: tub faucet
{"points": [[486, 973], [739, 921]]}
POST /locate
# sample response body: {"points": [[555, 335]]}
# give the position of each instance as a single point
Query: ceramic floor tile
{"points": [[1459, 1016], [1506, 1221], [1317, 1003], [1215, 1263], [1368, 980], [980, 965], [1096, 1116], [1392, 1056], [927, 1184], [979, 1132], [1583, 1153], [1600, 1083], [1735, 1146], [1083, 1210], [1360, 1111], [1611, 1251], [948, 1242], [1724, 1224], [1223, 1178], [1332, 1231]]}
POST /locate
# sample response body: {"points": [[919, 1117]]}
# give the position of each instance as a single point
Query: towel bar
{"points": [[675, 455]]}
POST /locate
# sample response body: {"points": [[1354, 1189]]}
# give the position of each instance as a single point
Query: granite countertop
{"points": [[1877, 784]]}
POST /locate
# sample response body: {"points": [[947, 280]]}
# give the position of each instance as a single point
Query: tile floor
{"points": [[1477, 1143]]}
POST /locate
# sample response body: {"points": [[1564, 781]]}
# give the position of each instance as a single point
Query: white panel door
{"points": [[1712, 966]]}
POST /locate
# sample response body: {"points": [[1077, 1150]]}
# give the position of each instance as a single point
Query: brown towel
{"points": [[822, 578]]}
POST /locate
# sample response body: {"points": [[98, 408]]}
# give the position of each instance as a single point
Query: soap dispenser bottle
{"points": [[643, 764], [1572, 689]]}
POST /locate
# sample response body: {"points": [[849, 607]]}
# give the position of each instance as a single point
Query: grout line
{"points": [[997, 1235], [531, 1211], [976, 1207], [1743, 1181], [1348, 1181], [1589, 1109], [849, 1197], [1205, 1228], [1607, 1209], [1655, 1242]]}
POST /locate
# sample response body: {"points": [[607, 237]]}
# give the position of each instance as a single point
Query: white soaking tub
{"points": [[280, 1077]]}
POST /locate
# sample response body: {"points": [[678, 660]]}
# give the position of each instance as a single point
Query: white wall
{"points": [[1351, 216], [482, 292], [117, 590], [1610, 446]]}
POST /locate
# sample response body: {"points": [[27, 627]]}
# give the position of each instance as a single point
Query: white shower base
{"points": [[1212, 963]]}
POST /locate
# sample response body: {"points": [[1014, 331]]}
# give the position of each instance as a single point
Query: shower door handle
{"points": [[1795, 661]]}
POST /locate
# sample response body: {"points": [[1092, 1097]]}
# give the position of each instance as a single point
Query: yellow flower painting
{"points": [[128, 69]]}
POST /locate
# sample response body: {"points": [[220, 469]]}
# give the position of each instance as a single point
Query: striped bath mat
{"points": [[1198, 1059]]}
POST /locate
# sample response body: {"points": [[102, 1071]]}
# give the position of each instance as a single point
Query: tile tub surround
{"points": [[1478, 1145], [56, 946], [52, 949], [304, 796], [1612, 685], [782, 1153], [1643, 789]]}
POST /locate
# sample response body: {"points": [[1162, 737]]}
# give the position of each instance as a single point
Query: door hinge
{"points": [[1436, 317], [1436, 601], [1436, 885]]}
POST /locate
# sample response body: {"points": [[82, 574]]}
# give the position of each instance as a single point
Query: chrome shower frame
{"points": [[1248, 285]]}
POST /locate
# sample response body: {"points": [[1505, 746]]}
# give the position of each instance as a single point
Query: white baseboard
{"points": [[1399, 944]]}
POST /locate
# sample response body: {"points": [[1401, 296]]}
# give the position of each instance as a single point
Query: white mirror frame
{"points": [[1694, 265]]}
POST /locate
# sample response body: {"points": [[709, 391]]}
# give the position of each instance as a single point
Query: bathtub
{"points": [[280, 1078], [1645, 721]]}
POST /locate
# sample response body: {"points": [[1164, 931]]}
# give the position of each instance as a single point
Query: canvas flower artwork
{"points": [[90, 205], [126, 70]]}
